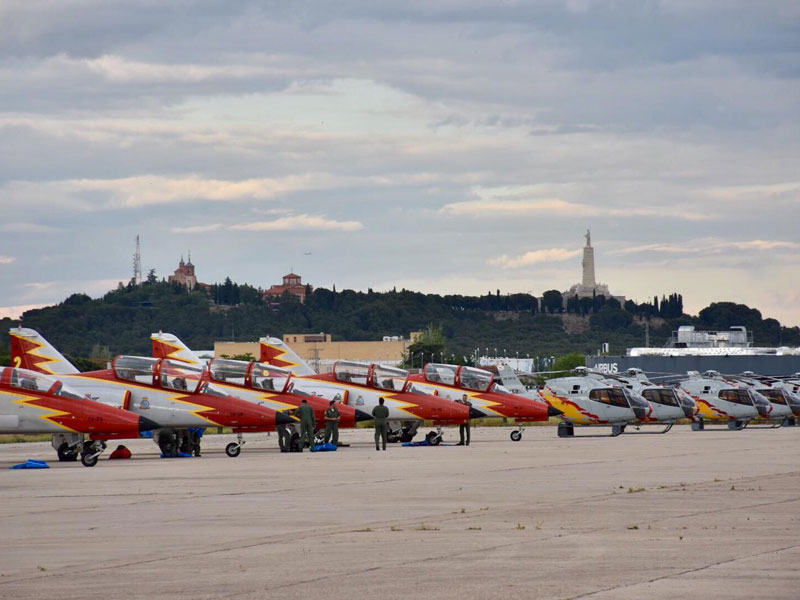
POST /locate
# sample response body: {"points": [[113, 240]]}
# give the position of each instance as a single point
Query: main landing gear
{"points": [[404, 433], [234, 449]]}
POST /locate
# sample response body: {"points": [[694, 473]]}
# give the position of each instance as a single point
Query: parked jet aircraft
{"points": [[723, 400], [361, 384], [34, 403], [171, 392], [484, 392], [257, 382]]}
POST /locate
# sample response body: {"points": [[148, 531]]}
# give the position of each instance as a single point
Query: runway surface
{"points": [[682, 515]]}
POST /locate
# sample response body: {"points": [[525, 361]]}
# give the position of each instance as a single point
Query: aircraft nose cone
{"points": [[146, 424], [283, 419], [474, 413], [363, 416], [552, 411]]}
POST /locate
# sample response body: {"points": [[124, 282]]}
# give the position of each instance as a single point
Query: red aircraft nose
{"points": [[433, 408], [238, 413]]}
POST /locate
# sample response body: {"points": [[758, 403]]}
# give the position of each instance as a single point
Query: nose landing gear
{"points": [[517, 434], [234, 449]]}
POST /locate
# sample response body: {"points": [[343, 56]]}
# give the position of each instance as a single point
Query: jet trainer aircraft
{"points": [[170, 392], [257, 382], [484, 392], [34, 403]]}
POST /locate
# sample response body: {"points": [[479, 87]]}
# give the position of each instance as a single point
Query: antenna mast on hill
{"points": [[137, 264]]}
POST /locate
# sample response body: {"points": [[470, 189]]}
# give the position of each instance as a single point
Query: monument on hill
{"points": [[588, 287]]}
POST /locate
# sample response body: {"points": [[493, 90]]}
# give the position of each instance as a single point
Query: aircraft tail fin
{"points": [[167, 345], [510, 380], [275, 352], [29, 350]]}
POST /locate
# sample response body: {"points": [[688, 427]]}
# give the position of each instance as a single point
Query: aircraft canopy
{"points": [[445, 374], [138, 369], [229, 371], [181, 376], [389, 378], [475, 379], [36, 382], [268, 377], [351, 372]]}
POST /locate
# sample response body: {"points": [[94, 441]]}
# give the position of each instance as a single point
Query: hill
{"points": [[122, 320]]}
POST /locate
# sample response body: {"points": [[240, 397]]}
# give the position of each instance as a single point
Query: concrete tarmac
{"points": [[711, 514]]}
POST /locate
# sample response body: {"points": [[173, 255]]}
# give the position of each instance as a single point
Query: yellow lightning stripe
{"points": [[196, 412], [175, 350], [571, 412], [35, 352], [261, 395], [400, 405], [25, 400], [280, 356]]}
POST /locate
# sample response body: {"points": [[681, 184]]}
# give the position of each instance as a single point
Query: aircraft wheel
{"points": [[64, 454], [516, 436], [434, 439], [89, 459], [233, 449], [406, 437]]}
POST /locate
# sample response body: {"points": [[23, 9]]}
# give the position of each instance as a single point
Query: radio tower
{"points": [[137, 264]]}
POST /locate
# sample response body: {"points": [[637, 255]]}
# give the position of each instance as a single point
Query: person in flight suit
{"points": [[332, 418], [464, 427], [307, 424], [381, 413]]}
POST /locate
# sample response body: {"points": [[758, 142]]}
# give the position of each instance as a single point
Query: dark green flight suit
{"points": [[381, 413], [464, 427], [332, 417], [283, 438], [307, 424]]}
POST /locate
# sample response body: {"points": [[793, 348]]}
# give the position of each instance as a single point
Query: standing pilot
{"points": [[307, 424], [381, 413], [332, 418], [463, 429]]}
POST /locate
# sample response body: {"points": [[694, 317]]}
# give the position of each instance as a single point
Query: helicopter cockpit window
{"points": [[475, 379], [610, 396], [389, 378], [138, 369], [444, 374], [663, 396], [737, 396], [228, 371], [267, 377], [351, 372], [774, 395], [180, 376]]}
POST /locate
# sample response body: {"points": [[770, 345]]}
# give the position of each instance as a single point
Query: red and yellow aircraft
{"points": [[34, 403], [484, 392], [170, 392]]}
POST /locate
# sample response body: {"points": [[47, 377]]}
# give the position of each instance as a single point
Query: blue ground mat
{"points": [[31, 464], [325, 447]]}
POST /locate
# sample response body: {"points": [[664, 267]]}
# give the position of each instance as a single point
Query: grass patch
{"points": [[424, 527], [21, 438], [635, 490]]}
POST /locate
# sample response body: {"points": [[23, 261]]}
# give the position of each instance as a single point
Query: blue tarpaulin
{"points": [[31, 464], [325, 447]]}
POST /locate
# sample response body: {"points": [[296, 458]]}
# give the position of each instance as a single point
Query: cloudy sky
{"points": [[449, 146]]}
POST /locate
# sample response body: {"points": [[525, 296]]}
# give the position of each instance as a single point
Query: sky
{"points": [[445, 147]]}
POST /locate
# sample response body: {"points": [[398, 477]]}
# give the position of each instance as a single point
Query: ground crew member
{"points": [[284, 437], [120, 452], [332, 418], [307, 424], [381, 413], [194, 435], [464, 427], [167, 441]]}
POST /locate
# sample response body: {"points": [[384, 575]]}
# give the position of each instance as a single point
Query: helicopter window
{"points": [[229, 371], [610, 396], [138, 369], [445, 374], [475, 379], [267, 377], [180, 376], [665, 397], [350, 372], [389, 378], [576, 389], [737, 396], [773, 395]]}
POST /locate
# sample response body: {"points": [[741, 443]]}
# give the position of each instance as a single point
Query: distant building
{"points": [[588, 287], [321, 352], [293, 284], [184, 274]]}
